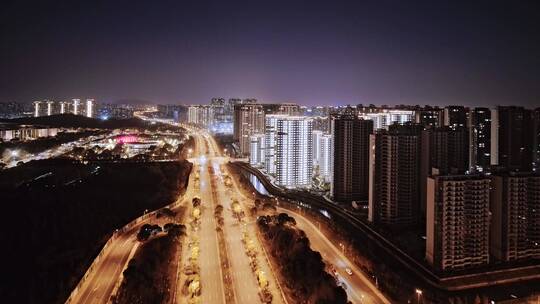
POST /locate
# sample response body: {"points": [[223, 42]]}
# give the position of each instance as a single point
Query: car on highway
{"points": [[348, 271]]}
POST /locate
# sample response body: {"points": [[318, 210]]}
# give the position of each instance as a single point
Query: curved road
{"points": [[358, 287], [99, 286]]}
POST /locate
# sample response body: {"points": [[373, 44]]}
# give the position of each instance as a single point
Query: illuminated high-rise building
{"points": [[220, 109], [193, 113], [234, 101], [44, 108], [76, 104], [202, 115], [89, 107], [248, 119], [321, 123], [256, 150], [50, 105], [383, 118], [119, 111], [63, 105], [217, 101], [223, 115], [326, 157], [480, 139], [270, 132], [317, 135], [281, 108], [249, 100], [294, 159], [37, 108]]}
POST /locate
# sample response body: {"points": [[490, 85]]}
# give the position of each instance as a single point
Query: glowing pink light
{"points": [[127, 139]]}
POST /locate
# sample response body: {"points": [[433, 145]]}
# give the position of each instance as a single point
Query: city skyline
{"points": [[443, 192], [316, 53], [276, 152]]}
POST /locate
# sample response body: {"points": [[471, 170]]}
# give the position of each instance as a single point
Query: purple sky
{"points": [[309, 52]]}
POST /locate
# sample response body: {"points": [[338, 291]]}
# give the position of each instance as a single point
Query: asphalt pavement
{"points": [[358, 287], [99, 286]]}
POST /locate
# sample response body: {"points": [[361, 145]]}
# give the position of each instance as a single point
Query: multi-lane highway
{"points": [[107, 272], [244, 281], [99, 285], [210, 187], [358, 287], [212, 290]]}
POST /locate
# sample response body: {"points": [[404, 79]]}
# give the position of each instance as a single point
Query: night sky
{"points": [[310, 52]]}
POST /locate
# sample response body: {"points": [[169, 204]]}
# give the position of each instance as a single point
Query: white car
{"points": [[348, 271]]}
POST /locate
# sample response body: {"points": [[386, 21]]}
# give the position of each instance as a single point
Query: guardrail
{"points": [[121, 278], [91, 268], [257, 233]]}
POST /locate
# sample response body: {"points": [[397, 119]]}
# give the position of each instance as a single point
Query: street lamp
{"points": [[418, 294]]}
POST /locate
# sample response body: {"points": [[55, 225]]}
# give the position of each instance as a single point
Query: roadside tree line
{"points": [[302, 268]]}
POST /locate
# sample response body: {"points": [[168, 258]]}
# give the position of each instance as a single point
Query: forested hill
{"points": [[78, 121]]}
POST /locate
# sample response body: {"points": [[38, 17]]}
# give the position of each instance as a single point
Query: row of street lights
{"points": [[418, 291]]}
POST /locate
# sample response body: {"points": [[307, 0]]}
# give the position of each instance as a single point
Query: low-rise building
{"points": [[10, 132]]}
